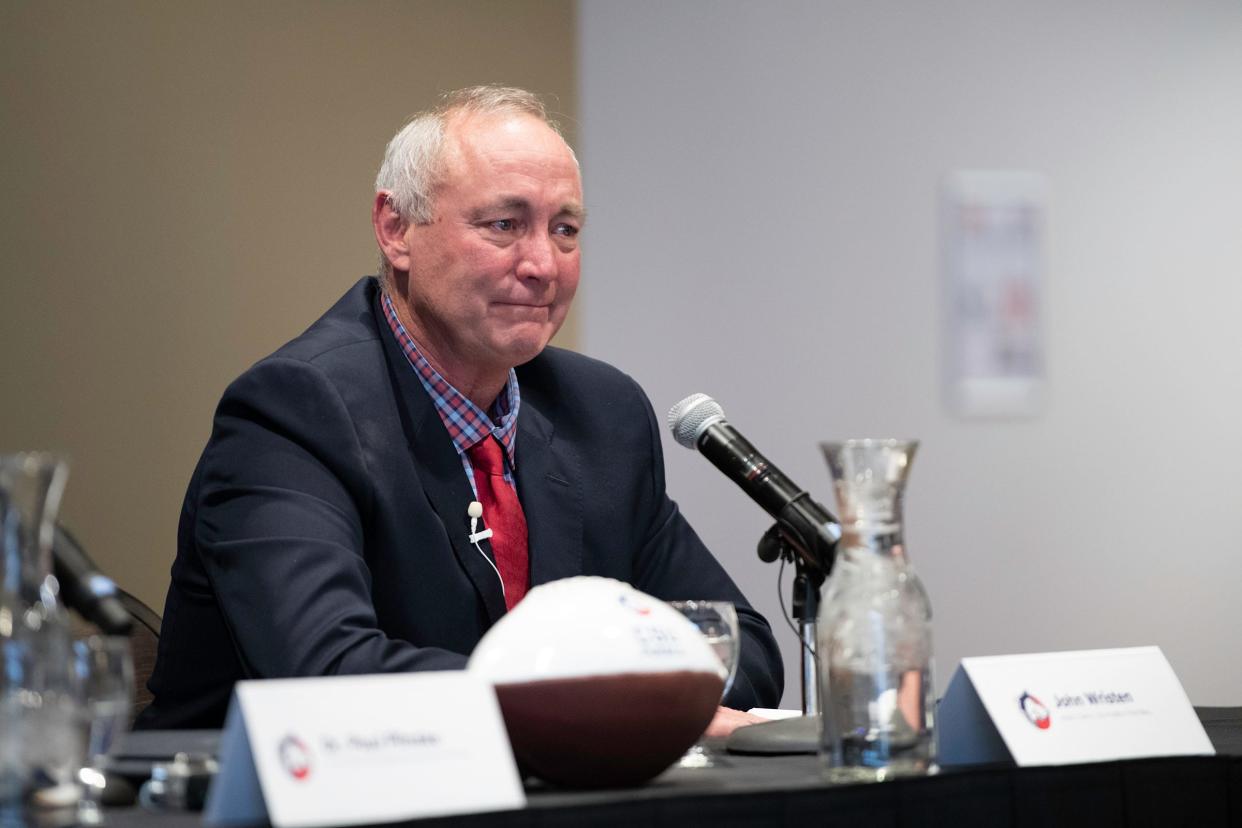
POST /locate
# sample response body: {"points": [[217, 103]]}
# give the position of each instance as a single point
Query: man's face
{"points": [[492, 276]]}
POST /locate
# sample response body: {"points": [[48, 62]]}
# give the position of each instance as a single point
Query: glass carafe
{"points": [[874, 640], [40, 735]]}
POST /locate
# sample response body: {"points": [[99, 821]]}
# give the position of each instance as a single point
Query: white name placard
{"points": [[362, 749], [1063, 708]]}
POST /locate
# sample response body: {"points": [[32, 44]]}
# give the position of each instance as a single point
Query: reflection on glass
{"points": [[717, 621], [104, 671], [874, 646]]}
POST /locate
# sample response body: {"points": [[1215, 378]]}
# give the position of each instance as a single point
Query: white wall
{"points": [[762, 182]]}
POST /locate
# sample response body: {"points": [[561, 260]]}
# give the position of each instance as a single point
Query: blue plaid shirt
{"points": [[467, 424]]}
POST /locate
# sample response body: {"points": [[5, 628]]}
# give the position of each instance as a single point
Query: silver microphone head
{"points": [[691, 417]]}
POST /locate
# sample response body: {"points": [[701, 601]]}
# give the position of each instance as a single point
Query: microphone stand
{"points": [[799, 734], [807, 582], [806, 610]]}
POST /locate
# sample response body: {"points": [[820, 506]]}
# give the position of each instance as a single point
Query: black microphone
{"points": [[698, 422], [84, 589]]}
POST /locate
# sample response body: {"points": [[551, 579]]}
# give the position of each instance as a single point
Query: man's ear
{"points": [[390, 231]]}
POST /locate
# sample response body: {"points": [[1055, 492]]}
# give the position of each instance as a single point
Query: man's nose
{"points": [[537, 257]]}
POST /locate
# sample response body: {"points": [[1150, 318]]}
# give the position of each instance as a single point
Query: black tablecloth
{"points": [[789, 790]]}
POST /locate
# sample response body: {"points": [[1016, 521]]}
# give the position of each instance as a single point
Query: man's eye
{"points": [[503, 225], [565, 230]]}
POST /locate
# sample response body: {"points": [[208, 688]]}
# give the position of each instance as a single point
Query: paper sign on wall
{"points": [[362, 749], [993, 231], [1062, 708]]}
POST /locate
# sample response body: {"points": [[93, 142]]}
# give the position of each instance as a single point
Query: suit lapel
{"points": [[550, 489], [440, 472]]}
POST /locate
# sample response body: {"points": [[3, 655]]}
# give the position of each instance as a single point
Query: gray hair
{"points": [[414, 159], [413, 162]]}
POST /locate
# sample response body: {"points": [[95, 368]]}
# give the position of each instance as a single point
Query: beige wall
{"points": [[186, 186]]}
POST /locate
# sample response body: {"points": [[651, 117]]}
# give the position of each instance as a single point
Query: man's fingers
{"points": [[728, 720]]}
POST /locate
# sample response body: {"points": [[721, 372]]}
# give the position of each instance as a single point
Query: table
{"points": [[788, 791]]}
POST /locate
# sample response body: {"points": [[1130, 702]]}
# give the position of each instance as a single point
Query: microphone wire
{"points": [[780, 596]]}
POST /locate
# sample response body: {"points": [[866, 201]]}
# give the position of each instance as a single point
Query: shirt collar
{"points": [[467, 424]]}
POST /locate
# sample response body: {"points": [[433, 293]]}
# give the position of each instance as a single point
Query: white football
{"points": [[600, 685]]}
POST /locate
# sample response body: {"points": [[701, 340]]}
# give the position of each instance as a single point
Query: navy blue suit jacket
{"points": [[324, 529]]}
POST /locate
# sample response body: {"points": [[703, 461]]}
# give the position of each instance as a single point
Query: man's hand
{"points": [[728, 720]]}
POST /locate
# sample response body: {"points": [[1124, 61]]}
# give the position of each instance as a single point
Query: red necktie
{"points": [[502, 513]]}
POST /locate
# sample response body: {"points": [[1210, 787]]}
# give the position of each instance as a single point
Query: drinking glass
{"points": [[104, 670], [717, 621]]}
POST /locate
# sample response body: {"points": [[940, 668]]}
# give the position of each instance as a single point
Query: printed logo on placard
{"points": [[296, 757], [1036, 712]]}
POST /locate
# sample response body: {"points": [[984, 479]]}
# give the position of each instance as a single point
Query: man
{"points": [[329, 527]]}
